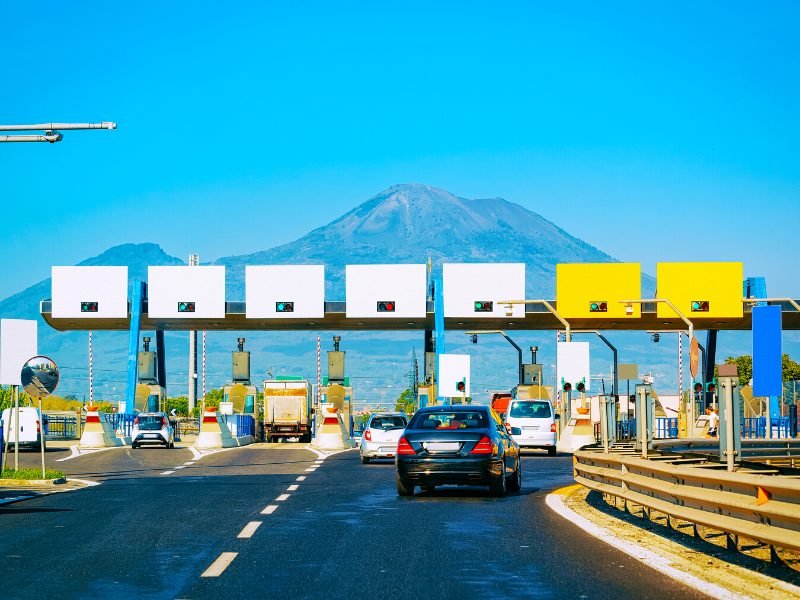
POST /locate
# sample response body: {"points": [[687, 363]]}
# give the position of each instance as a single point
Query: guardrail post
{"points": [[645, 409], [730, 439]]}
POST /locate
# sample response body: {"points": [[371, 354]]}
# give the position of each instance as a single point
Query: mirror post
{"points": [[16, 428], [42, 435]]}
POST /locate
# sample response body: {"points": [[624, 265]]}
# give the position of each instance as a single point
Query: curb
{"points": [[23, 482]]}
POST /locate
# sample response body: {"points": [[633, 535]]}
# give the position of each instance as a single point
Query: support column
{"points": [[137, 300]]}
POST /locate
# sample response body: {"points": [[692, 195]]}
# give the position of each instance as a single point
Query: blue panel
{"points": [[438, 309], [767, 351], [137, 298]]}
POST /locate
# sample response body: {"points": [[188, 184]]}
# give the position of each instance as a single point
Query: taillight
{"points": [[552, 428], [368, 435], [403, 447], [483, 447], [38, 429], [136, 421], [163, 422]]}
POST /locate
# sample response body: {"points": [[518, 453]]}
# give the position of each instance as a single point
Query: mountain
{"points": [[412, 222]]}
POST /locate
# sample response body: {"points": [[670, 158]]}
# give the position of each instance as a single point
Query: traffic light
{"points": [[461, 386], [711, 386], [89, 307], [700, 305], [185, 307], [698, 387], [386, 306], [566, 386], [581, 387], [284, 307], [484, 306], [598, 306]]}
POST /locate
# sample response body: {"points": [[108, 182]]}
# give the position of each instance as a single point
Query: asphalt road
{"points": [[150, 530]]}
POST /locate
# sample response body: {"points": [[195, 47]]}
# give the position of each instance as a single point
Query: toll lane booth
{"points": [[149, 395], [241, 393]]}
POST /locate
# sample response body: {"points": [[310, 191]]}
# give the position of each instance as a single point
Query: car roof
{"points": [[388, 414], [151, 414], [451, 407]]}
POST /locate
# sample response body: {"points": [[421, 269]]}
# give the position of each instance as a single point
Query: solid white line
{"points": [[292, 488], [167, 473], [301, 478], [648, 557], [270, 509], [191, 462], [282, 497], [219, 565], [196, 453], [249, 530], [87, 451], [85, 482]]}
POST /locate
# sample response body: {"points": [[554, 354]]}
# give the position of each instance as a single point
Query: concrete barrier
{"points": [[214, 432], [97, 433], [332, 433]]}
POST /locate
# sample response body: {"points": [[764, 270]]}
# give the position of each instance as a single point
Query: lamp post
{"points": [[51, 133], [615, 381], [475, 335]]}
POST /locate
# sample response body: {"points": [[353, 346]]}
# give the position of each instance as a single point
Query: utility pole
{"points": [[194, 260]]}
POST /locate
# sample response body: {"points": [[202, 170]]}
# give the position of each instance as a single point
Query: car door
{"points": [[510, 448]]}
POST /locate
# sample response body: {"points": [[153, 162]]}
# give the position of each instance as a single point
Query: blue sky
{"points": [[655, 131]]}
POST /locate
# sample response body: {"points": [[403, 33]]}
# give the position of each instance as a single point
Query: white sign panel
{"points": [[386, 291], [285, 291], [186, 292], [572, 364], [90, 292], [473, 290], [453, 369], [17, 346]]}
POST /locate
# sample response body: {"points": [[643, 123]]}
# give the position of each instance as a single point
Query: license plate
{"points": [[150, 435], [535, 428], [442, 446], [389, 449]]}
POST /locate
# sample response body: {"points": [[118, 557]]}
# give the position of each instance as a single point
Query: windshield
{"points": [[450, 420], [385, 423], [531, 410], [150, 423]]}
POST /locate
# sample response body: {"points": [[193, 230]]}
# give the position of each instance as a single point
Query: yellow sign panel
{"points": [[594, 290], [700, 290]]}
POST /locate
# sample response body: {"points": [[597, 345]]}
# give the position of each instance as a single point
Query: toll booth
{"points": [[149, 395], [241, 393]]}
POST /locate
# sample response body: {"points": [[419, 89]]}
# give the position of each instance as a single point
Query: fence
{"points": [[61, 427], [765, 508], [121, 422], [241, 425], [756, 427]]}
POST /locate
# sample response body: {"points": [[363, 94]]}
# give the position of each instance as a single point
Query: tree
{"points": [[790, 370], [406, 402]]}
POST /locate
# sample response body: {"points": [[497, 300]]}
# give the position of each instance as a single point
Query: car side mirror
{"points": [[556, 416]]}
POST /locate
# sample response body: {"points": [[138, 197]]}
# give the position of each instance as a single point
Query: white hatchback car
{"points": [[152, 428], [381, 435], [532, 424]]}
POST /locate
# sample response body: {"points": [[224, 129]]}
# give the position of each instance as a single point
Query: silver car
{"points": [[381, 435], [152, 428]]}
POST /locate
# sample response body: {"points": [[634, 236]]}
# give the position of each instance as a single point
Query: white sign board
{"points": [[572, 364], [453, 368], [386, 291], [285, 291], [17, 346], [90, 292], [186, 292], [226, 408], [473, 290]]}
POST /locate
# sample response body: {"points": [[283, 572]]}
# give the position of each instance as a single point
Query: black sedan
{"points": [[457, 444]]}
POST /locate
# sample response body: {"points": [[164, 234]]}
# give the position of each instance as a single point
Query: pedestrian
{"points": [[713, 420]]}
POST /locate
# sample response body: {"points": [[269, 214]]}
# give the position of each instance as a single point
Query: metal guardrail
{"points": [[121, 422], [765, 508], [61, 427]]}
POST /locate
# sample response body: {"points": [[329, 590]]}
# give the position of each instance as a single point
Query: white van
{"points": [[30, 434], [532, 424]]}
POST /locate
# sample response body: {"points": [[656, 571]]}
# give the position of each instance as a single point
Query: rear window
{"points": [[531, 410], [450, 420], [385, 423], [150, 423]]}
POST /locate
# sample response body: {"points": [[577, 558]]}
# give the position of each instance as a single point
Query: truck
{"points": [[287, 409], [499, 401]]}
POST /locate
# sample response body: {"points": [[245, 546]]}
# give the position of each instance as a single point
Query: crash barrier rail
{"points": [[765, 508], [775, 452], [240, 425]]}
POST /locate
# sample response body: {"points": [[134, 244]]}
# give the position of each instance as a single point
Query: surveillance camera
{"points": [[655, 337], [629, 309]]}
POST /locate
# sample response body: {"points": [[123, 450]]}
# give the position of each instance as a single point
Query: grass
{"points": [[30, 474]]}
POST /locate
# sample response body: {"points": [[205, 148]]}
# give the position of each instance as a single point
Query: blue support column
{"points": [[162, 360], [137, 299], [438, 314]]}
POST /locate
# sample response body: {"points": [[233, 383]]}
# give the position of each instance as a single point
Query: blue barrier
{"points": [[121, 422], [241, 425], [666, 428], [60, 427], [626, 429], [756, 427], [780, 427]]}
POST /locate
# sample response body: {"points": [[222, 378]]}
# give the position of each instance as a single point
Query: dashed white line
{"points": [[191, 462], [282, 498], [310, 470], [249, 530], [167, 473], [301, 478], [218, 566], [270, 509], [292, 488], [181, 467]]}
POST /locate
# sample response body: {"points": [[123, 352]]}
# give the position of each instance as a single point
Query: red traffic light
{"points": [[461, 386], [185, 307], [386, 306], [89, 307], [598, 306], [484, 306], [698, 387], [581, 387], [567, 387], [700, 305]]}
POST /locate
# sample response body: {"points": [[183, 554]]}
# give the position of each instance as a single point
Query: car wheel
{"points": [[364, 460], [515, 481], [551, 451], [134, 446], [172, 445], [497, 487], [404, 488]]}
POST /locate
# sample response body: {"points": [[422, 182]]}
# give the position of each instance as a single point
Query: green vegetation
{"points": [[406, 402], [28, 474], [744, 365]]}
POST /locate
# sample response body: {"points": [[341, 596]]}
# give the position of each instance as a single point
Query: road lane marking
{"points": [[282, 497], [77, 452], [167, 473], [301, 478], [660, 563], [191, 462], [270, 509], [292, 488], [310, 470], [181, 467], [218, 566], [249, 530]]}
